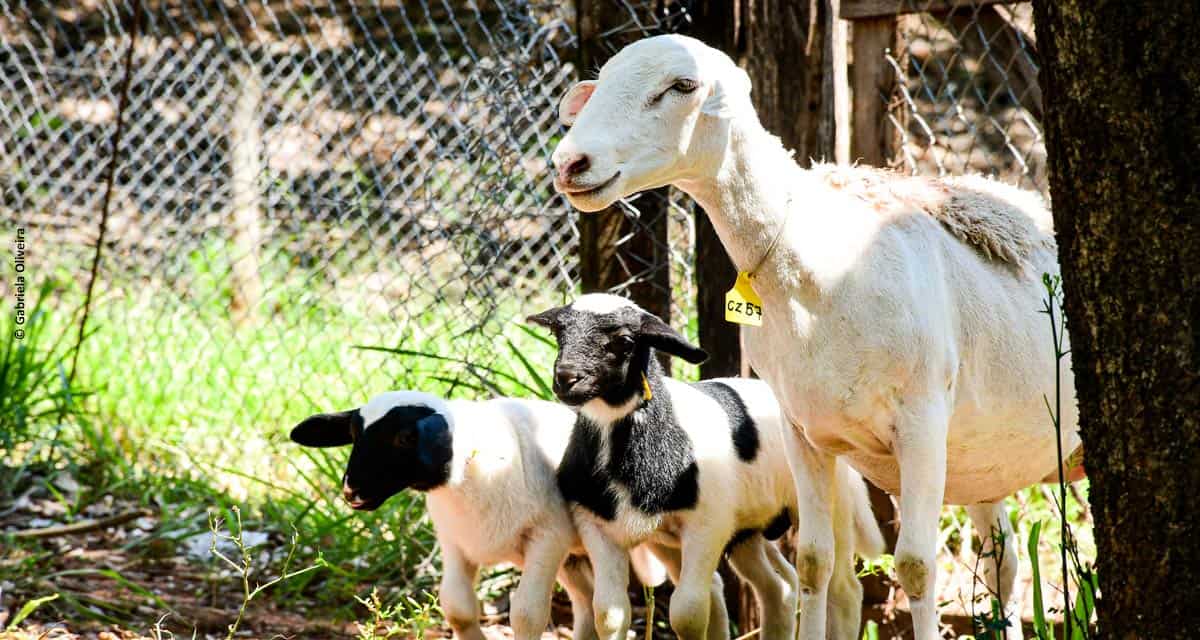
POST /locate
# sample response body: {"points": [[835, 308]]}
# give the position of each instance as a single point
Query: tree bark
{"points": [[619, 252], [770, 40], [1121, 81]]}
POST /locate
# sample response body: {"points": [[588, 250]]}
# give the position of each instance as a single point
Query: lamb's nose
{"points": [[349, 494], [573, 166], [565, 379]]}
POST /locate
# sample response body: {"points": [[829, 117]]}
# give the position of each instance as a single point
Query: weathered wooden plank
{"points": [[873, 80], [859, 9], [834, 127]]}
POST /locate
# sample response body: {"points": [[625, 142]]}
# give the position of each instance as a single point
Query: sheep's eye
{"points": [[682, 85], [621, 343], [685, 85], [405, 440]]}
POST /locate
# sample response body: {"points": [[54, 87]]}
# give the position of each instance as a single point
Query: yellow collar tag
{"points": [[742, 304], [646, 389]]}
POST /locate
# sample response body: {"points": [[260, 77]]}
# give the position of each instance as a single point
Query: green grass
{"points": [[194, 412], [183, 410]]}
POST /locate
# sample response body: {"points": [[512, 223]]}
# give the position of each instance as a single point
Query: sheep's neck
{"points": [[754, 194]]}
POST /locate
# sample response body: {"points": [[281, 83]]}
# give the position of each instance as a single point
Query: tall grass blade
{"points": [[1043, 628], [27, 609]]}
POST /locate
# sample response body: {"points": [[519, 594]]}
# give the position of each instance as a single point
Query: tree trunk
{"points": [[768, 38], [618, 252], [1121, 82]]}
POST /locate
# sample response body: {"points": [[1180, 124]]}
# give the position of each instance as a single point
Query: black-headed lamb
{"points": [[900, 327], [489, 472], [695, 469]]}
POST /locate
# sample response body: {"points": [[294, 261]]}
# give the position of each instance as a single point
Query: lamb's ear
{"points": [[661, 336], [573, 100], [726, 92], [547, 318], [433, 440], [326, 429]]}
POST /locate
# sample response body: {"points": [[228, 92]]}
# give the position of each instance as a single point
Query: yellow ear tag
{"points": [[646, 389], [742, 304]]}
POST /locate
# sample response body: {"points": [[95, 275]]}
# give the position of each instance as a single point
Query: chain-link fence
{"points": [[298, 177], [969, 101]]}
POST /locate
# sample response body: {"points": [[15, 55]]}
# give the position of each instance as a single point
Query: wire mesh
{"points": [[299, 177], [968, 101]]}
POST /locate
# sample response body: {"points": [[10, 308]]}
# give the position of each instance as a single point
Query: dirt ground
{"points": [[172, 592]]}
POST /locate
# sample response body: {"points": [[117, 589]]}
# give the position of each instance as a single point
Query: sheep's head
{"points": [[605, 347], [401, 440], [656, 114]]}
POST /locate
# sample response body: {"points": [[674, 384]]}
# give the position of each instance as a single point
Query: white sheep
{"points": [[698, 469], [900, 327], [489, 471]]}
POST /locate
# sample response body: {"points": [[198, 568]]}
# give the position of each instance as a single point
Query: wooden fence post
{"points": [[617, 251], [873, 80], [246, 169]]}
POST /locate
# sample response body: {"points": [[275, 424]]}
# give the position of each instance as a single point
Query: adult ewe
{"points": [[900, 325]]}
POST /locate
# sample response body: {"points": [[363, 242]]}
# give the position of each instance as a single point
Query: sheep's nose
{"points": [[565, 379], [349, 494], [573, 165]]}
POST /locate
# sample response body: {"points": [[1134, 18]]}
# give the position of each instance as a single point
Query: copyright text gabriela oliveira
{"points": [[19, 267]]}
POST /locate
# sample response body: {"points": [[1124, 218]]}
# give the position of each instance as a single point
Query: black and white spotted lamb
{"points": [[695, 470], [488, 469]]}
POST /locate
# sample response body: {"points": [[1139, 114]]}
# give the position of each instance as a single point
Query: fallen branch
{"points": [[82, 527]]}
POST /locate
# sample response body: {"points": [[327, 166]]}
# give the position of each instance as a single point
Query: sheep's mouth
{"points": [[362, 504], [593, 190]]}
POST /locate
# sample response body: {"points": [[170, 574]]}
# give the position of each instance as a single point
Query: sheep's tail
{"points": [[868, 538]]}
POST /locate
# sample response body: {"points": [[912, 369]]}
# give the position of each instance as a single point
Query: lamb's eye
{"points": [[685, 85], [621, 343], [406, 439]]}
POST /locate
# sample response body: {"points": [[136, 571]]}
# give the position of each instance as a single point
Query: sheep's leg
{"points": [[845, 590], [576, 577], [814, 474], [920, 447], [718, 616], [610, 601], [457, 594], [691, 602], [999, 565], [529, 613], [775, 590]]}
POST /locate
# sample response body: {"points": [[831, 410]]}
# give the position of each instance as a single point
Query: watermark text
{"points": [[20, 284]]}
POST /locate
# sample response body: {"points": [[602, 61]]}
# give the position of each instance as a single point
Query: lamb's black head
{"points": [[605, 346], [400, 439]]}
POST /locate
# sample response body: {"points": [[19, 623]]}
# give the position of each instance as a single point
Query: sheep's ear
{"points": [[547, 318], [433, 440], [573, 100], [326, 429], [661, 336], [727, 92]]}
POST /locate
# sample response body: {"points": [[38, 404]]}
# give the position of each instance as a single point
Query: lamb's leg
{"points": [[921, 426], [814, 474], [692, 600], [718, 616], [775, 590], [457, 594], [529, 613], [845, 590], [999, 565], [576, 577], [610, 562]]}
